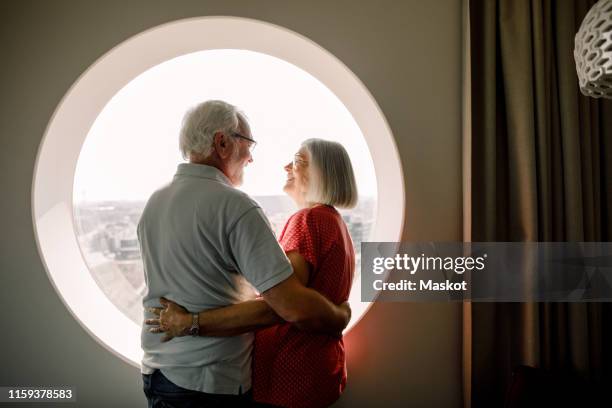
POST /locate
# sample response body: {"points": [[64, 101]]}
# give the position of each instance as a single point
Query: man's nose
{"points": [[288, 167]]}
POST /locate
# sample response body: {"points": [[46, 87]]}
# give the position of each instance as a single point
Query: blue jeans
{"points": [[162, 393]]}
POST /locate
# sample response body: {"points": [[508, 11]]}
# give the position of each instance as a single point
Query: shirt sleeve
{"points": [[257, 253], [300, 235]]}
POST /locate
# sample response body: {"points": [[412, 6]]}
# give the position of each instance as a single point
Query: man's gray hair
{"points": [[331, 176], [201, 123]]}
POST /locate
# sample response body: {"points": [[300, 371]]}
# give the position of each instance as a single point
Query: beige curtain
{"points": [[540, 156]]}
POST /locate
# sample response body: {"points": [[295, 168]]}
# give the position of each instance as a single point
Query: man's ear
{"points": [[222, 145]]}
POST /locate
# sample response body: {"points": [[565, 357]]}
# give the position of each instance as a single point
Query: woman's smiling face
{"points": [[297, 182]]}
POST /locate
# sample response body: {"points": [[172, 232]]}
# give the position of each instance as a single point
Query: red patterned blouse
{"points": [[292, 368]]}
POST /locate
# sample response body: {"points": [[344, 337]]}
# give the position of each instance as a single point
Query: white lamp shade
{"points": [[593, 51]]}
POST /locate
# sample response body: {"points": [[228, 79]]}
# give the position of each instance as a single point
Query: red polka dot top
{"points": [[293, 368]]}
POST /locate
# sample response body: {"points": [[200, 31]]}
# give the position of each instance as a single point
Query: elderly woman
{"points": [[292, 367]]}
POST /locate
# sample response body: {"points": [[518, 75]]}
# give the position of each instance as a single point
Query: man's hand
{"points": [[306, 308], [174, 320], [346, 308]]}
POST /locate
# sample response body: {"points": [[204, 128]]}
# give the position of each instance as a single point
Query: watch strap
{"points": [[194, 330]]}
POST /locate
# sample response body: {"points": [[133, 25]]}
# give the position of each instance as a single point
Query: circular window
{"points": [[113, 140]]}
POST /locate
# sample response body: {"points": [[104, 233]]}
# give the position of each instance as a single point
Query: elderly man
{"points": [[204, 243]]}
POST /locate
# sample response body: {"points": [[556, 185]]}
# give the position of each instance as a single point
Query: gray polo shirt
{"points": [[204, 243]]}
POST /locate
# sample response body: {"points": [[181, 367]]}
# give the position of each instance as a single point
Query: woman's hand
{"points": [[174, 320]]}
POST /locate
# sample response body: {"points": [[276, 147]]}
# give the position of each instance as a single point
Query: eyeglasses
{"points": [[252, 144]]}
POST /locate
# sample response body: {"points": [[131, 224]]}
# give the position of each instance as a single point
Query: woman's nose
{"points": [[288, 167]]}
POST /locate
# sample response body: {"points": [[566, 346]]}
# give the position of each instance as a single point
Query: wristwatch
{"points": [[194, 330]]}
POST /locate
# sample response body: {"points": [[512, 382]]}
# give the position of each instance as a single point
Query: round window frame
{"points": [[52, 186]]}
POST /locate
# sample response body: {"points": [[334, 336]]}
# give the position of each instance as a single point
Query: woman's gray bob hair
{"points": [[332, 180], [201, 123]]}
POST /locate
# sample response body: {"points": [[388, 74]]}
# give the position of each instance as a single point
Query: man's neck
{"points": [[211, 161]]}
